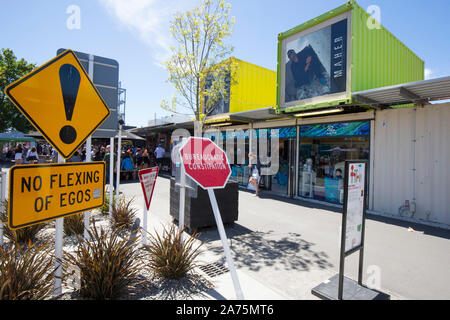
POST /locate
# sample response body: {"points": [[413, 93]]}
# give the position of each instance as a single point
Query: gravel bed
{"points": [[150, 286]]}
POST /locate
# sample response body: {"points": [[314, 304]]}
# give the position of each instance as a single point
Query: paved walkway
{"points": [[283, 248]]}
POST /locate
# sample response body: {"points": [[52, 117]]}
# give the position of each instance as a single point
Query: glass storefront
{"points": [[323, 151], [278, 183]]}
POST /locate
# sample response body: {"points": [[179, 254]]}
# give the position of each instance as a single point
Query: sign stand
{"points": [[226, 248], [147, 178], [2, 199], [340, 287], [182, 201], [59, 238], [111, 174], [207, 164], [119, 151], [87, 214], [65, 125]]}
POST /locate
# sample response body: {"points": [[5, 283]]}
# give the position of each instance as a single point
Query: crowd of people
{"points": [[131, 157], [21, 154]]}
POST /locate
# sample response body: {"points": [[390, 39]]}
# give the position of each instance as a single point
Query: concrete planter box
{"points": [[198, 212]]}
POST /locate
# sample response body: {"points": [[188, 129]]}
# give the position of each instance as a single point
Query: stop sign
{"points": [[205, 163]]}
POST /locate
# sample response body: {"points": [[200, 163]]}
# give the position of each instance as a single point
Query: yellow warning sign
{"points": [[61, 101], [39, 193]]}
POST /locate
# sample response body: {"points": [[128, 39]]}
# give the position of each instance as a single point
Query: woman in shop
{"points": [[255, 173]]}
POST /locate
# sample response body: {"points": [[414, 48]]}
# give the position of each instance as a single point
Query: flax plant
{"points": [[171, 258]]}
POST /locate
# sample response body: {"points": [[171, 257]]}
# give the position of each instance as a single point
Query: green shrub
{"points": [[23, 235], [171, 258], [26, 273], [108, 265], [123, 215], [74, 224]]}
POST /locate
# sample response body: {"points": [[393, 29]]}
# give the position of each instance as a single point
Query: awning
{"points": [[243, 117], [15, 136], [97, 135], [129, 136], [256, 115], [414, 92], [168, 127]]}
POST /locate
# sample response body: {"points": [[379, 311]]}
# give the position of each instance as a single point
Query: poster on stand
{"points": [[354, 214]]}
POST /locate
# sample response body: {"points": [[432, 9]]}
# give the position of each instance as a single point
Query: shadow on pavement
{"points": [[426, 229], [255, 250]]}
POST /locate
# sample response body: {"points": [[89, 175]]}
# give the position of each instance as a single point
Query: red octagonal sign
{"points": [[205, 163]]}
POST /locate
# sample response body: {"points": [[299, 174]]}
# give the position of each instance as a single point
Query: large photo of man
{"points": [[312, 62]]}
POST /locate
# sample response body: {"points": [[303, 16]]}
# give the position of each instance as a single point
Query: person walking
{"points": [[127, 164], [159, 154], [255, 172]]}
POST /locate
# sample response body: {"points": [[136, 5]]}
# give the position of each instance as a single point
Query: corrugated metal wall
{"points": [[393, 161], [255, 88], [379, 59], [433, 163]]}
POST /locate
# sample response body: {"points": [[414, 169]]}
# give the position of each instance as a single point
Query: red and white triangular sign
{"points": [[148, 179]]}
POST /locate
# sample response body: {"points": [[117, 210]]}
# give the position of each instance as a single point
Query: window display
{"points": [[323, 151]]}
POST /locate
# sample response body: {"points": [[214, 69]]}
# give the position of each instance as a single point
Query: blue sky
{"points": [[135, 33]]}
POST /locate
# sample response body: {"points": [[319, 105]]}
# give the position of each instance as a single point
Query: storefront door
{"points": [[283, 182]]}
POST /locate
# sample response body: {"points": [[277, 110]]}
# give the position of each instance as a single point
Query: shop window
{"points": [[324, 148]]}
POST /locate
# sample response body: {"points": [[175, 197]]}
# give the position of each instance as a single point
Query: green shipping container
{"points": [[323, 61]]}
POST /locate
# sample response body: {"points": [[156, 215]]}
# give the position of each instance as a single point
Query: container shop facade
{"points": [[320, 122], [345, 91], [311, 153]]}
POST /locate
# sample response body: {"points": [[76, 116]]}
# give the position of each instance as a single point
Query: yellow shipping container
{"points": [[254, 87]]}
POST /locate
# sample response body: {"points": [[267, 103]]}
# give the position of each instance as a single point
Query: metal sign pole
{"points": [[144, 235], [223, 237], [87, 214], [363, 231], [147, 178], [360, 248], [2, 200], [111, 174], [59, 226], [182, 200], [119, 150]]}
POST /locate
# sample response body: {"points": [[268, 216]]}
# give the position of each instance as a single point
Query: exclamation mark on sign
{"points": [[70, 82]]}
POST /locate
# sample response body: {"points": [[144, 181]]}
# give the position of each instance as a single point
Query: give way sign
{"points": [[205, 163], [148, 179]]}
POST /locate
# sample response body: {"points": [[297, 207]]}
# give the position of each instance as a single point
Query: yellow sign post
{"points": [[61, 101], [40, 193]]}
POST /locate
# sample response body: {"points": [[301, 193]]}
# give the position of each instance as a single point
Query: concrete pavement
{"points": [[282, 248], [290, 246]]}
